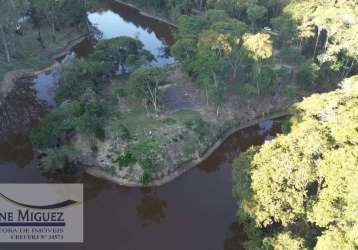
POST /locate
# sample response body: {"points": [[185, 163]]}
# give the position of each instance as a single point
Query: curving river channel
{"points": [[194, 212]]}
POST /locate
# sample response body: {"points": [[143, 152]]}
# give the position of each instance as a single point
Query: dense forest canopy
{"points": [[300, 190]]}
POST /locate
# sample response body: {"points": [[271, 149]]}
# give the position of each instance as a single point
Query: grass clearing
{"points": [[28, 53]]}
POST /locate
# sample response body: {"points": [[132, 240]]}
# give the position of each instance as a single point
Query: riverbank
{"points": [[10, 78], [147, 14], [180, 170], [185, 129]]}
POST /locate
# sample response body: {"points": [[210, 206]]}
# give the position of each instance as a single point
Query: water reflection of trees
{"points": [[20, 111], [234, 241], [151, 209]]}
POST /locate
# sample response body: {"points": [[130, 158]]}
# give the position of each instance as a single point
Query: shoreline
{"points": [[146, 14], [180, 170], [9, 81]]}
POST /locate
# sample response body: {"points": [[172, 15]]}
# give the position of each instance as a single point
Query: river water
{"points": [[194, 212]]}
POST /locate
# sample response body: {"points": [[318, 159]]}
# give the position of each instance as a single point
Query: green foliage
{"points": [[145, 82], [77, 76], [300, 187], [49, 131], [290, 91], [148, 154], [284, 74], [338, 19], [184, 51], [117, 90], [85, 116], [81, 108], [121, 51], [230, 26], [284, 241], [118, 130], [199, 126], [190, 27], [206, 39], [57, 14], [307, 74], [291, 55], [256, 13], [247, 90], [286, 125], [285, 26], [266, 78], [61, 158], [125, 160], [259, 46]]}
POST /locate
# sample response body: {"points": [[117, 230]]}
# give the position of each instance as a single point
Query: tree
{"points": [[57, 14], [190, 27], [126, 52], [284, 241], [211, 66], [337, 20], [255, 13], [230, 26], [286, 28], [236, 8], [77, 76], [145, 82], [301, 187], [11, 12], [260, 48], [307, 73], [184, 50]]}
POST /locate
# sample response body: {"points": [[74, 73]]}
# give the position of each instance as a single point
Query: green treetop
{"points": [[306, 181]]}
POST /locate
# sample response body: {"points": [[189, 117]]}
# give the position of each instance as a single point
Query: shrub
{"points": [[59, 159], [148, 154], [49, 131], [78, 76]]}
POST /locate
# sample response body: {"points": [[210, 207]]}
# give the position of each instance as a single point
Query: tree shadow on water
{"points": [[151, 209], [235, 239]]}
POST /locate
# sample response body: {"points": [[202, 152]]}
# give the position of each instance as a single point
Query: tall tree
{"points": [[260, 48], [301, 187], [11, 13], [145, 82]]}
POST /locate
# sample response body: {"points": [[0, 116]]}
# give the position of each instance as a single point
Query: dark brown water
{"points": [[194, 212]]}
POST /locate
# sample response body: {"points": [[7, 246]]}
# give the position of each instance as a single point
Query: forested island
{"points": [[125, 114]]}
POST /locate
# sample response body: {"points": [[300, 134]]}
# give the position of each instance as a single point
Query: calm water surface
{"points": [[194, 212]]}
